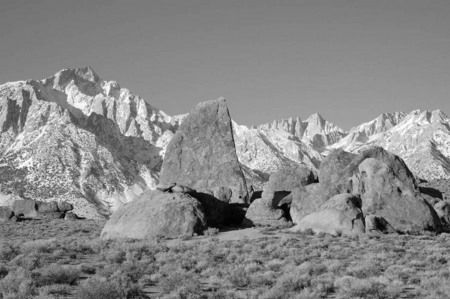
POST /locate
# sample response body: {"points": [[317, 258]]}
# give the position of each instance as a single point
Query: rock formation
{"points": [[267, 211], [202, 154], [340, 215], [387, 188], [6, 214], [154, 214], [28, 208]]}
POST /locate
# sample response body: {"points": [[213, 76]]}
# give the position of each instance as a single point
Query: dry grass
{"points": [[71, 261]]}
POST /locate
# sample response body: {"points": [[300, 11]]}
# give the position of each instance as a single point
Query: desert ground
{"points": [[67, 259]]}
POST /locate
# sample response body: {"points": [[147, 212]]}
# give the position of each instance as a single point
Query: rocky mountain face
{"points": [[76, 137], [314, 131], [421, 138], [264, 151]]}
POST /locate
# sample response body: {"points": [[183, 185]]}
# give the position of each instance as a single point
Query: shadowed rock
{"points": [[377, 224], [202, 154], [442, 208]]}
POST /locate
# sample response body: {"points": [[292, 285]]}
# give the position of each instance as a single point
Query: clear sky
{"points": [[349, 60]]}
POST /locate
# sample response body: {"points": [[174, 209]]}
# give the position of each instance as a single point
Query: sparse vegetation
{"points": [[71, 261]]}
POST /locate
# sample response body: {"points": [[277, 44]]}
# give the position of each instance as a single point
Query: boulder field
{"points": [[202, 184]]}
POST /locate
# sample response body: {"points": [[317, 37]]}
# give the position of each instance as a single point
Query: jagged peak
{"points": [[316, 118], [87, 73], [430, 116]]}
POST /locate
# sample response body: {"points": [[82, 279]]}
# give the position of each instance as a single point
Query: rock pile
{"points": [[33, 209], [388, 191]]}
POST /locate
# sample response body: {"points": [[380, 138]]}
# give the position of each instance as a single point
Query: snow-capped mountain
{"points": [[315, 130], [363, 132], [421, 138], [76, 137], [263, 151]]}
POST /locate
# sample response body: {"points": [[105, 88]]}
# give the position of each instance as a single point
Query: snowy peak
{"points": [[426, 116], [316, 124], [363, 132], [421, 138], [315, 129]]}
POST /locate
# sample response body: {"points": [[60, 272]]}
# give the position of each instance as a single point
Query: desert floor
{"points": [[67, 259]]}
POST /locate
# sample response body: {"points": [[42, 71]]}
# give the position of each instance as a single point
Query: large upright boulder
{"points": [[388, 189], [202, 154], [156, 213]]}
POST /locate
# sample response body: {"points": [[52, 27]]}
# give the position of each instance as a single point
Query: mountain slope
{"points": [[76, 137], [264, 151]]}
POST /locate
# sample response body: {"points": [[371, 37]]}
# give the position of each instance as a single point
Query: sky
{"points": [[349, 60]]}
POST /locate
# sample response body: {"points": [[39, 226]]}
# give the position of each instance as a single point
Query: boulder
{"points": [[286, 179], [262, 213], [154, 214], [71, 216], [51, 215], [388, 189], [167, 187], [64, 206], [28, 208], [442, 209], [386, 185], [377, 224], [341, 215], [306, 200], [266, 211], [47, 207], [202, 153], [181, 189], [269, 210], [6, 214], [216, 211], [224, 194], [333, 165], [25, 207], [333, 180]]}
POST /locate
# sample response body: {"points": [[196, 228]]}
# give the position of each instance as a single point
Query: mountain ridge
{"points": [[74, 136]]}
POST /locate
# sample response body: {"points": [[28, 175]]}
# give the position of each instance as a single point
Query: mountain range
{"points": [[76, 137]]}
